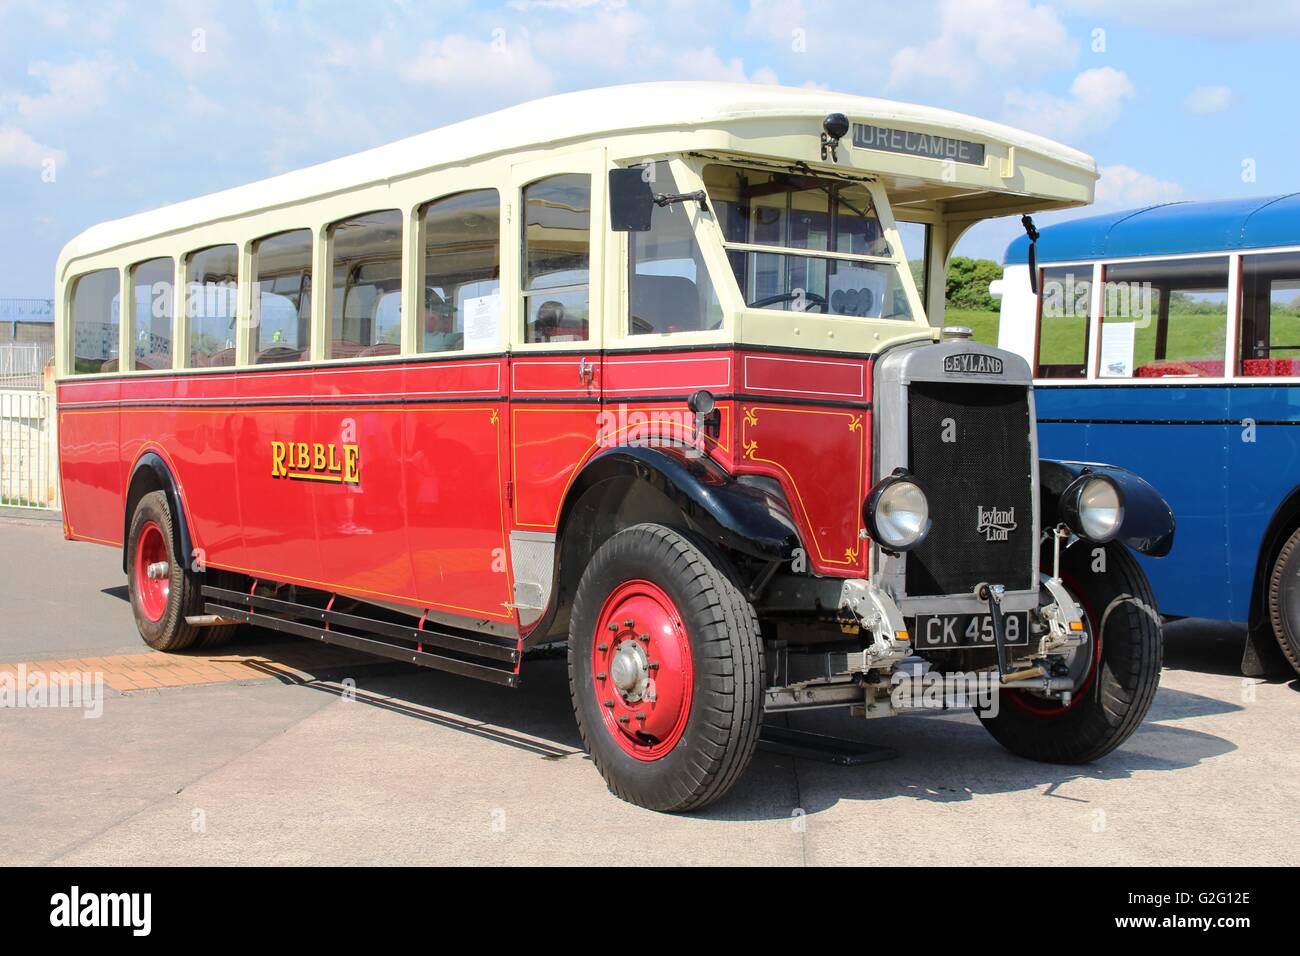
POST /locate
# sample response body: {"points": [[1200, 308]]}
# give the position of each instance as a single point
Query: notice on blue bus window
{"points": [[1117, 341]]}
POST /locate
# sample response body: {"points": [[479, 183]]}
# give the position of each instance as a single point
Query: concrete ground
{"points": [[379, 763]]}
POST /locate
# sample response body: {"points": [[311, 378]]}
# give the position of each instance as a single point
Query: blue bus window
{"points": [[1164, 318], [1270, 315]]}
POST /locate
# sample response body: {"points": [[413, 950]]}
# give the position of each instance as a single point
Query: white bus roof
{"points": [[675, 107]]}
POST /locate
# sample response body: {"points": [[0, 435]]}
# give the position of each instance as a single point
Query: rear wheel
{"points": [[665, 670], [1116, 672], [1284, 599], [164, 591]]}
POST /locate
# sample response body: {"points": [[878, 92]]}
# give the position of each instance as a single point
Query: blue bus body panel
{"points": [[1168, 229], [1223, 479]]}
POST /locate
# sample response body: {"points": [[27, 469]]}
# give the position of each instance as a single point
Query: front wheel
{"points": [[1116, 676], [164, 592], [665, 670], [1284, 599]]}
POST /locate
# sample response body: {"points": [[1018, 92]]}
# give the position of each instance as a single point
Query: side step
{"points": [[470, 656]]}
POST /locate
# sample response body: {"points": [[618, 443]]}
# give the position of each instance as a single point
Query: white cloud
{"points": [[980, 37], [705, 64], [1212, 19], [1205, 100], [17, 148], [1094, 103], [1123, 187], [77, 87], [504, 63], [565, 6]]}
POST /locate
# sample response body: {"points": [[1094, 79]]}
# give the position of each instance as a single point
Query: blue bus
{"points": [[1166, 339]]}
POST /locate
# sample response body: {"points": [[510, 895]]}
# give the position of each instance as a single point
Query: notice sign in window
{"points": [[918, 144]]}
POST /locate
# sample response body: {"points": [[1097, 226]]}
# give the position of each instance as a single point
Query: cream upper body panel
{"points": [[897, 149], [663, 117]]}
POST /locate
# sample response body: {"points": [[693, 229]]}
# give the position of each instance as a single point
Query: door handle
{"points": [[586, 371]]}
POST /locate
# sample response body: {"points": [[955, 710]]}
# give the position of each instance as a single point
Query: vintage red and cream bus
{"points": [[646, 370]]}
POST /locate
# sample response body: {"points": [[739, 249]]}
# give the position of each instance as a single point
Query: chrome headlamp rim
{"points": [[1073, 509], [871, 507]]}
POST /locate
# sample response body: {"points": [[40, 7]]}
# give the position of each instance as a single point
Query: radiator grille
{"points": [[979, 485]]}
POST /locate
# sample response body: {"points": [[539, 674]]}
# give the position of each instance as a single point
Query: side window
{"points": [[153, 297], [1064, 299], [212, 293], [1270, 314], [668, 285], [462, 271], [366, 292], [1162, 319], [282, 297], [557, 259], [96, 310]]}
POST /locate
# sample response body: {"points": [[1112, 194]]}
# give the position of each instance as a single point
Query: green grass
{"points": [[983, 324]]}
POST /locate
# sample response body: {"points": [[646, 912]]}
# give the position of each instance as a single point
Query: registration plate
{"points": [[936, 631]]}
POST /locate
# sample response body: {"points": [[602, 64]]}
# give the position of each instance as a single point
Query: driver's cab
{"points": [[854, 239]]}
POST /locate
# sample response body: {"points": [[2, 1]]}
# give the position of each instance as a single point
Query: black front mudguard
{"points": [[1148, 525]]}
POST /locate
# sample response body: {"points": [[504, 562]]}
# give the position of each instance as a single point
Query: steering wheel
{"points": [[812, 298]]}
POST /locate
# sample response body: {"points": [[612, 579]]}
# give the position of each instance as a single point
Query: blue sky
{"points": [[111, 107]]}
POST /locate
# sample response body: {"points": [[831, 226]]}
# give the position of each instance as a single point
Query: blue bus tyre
{"points": [[665, 670], [1116, 678], [1284, 599]]}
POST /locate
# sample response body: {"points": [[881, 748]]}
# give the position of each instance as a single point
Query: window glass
{"points": [[152, 289], [668, 288], [1064, 301], [797, 212], [557, 239], [1163, 319], [282, 297], [817, 214], [96, 309], [365, 307], [212, 292], [916, 247], [1270, 314], [462, 271]]}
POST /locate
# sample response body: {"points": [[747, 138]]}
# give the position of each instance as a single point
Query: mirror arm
{"points": [[665, 199], [1032, 232]]}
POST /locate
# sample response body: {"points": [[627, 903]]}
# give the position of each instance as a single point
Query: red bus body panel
{"points": [[448, 456]]}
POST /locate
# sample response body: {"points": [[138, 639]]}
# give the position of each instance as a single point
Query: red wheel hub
{"points": [[1048, 709], [152, 586], [642, 669]]}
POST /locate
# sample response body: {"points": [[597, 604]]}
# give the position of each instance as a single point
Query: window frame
{"points": [[250, 341], [419, 254], [129, 334], [602, 263], [184, 360], [69, 351], [404, 243]]}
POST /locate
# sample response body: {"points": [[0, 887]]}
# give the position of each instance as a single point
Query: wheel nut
{"points": [[600, 676], [609, 704]]}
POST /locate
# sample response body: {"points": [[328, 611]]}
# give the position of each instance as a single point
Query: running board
{"points": [[474, 656]]}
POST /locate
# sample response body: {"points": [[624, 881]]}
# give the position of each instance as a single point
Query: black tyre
{"points": [[164, 591], [1119, 669], [665, 670], [1284, 599]]}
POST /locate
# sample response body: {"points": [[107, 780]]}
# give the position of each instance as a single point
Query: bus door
{"points": [[555, 365]]}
